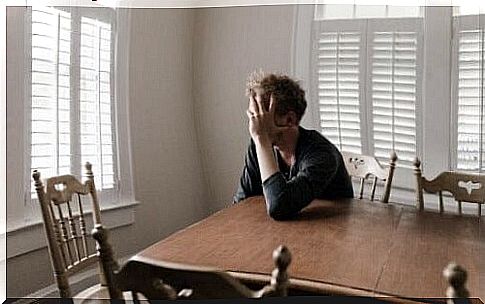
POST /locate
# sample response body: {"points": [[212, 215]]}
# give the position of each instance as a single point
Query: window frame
{"points": [[25, 211], [432, 132], [77, 168], [404, 178]]}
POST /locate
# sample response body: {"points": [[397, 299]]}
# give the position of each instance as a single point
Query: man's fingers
{"points": [[253, 105], [259, 102], [272, 104]]}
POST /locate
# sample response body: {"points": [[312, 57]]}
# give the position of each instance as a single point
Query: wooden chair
{"points": [[156, 280], [465, 187], [364, 167], [70, 247]]}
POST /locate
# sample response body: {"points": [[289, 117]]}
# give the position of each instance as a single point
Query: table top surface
{"points": [[384, 248]]}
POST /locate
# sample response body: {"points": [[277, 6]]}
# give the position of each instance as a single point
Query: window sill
{"points": [[22, 239]]}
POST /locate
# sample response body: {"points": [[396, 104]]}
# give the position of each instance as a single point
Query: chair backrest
{"points": [[465, 187], [63, 211], [364, 167], [156, 280]]}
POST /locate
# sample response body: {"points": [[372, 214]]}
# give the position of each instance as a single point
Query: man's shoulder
{"points": [[314, 141]]}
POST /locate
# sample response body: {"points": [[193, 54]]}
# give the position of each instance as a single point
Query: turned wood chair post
{"points": [[57, 259], [392, 167], [108, 263], [419, 184], [96, 212], [92, 190], [456, 277], [279, 276]]}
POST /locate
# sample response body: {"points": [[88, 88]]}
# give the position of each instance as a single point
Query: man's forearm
{"points": [[266, 159]]}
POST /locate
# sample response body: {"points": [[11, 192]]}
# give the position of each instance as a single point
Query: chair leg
{"points": [[441, 202], [361, 192], [374, 184], [459, 208]]}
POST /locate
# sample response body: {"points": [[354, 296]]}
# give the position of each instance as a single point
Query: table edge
{"points": [[318, 287]]}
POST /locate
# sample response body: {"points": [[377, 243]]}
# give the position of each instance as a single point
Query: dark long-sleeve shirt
{"points": [[318, 173]]}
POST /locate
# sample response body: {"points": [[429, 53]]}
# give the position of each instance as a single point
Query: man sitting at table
{"points": [[290, 165]]}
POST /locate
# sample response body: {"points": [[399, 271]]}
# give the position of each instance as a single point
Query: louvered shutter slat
{"points": [[338, 68], [97, 141], [470, 100], [50, 97], [393, 91]]}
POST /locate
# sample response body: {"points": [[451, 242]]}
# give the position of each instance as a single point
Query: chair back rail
{"points": [[463, 186], [158, 280], [364, 167], [63, 212]]}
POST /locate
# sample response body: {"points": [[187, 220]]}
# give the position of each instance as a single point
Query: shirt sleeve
{"points": [[250, 180], [285, 198]]}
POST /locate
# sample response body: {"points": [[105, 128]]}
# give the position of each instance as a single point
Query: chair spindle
{"points": [[64, 235], [57, 232], [361, 192], [374, 184], [82, 226], [74, 236]]}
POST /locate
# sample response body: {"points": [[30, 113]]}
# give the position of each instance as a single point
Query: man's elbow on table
{"points": [[278, 208]]}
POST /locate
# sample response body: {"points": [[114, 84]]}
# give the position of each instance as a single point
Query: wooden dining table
{"points": [[343, 247]]}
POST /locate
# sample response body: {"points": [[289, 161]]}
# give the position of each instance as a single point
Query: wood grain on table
{"points": [[353, 243]]}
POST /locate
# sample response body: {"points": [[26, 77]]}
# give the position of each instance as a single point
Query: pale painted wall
{"points": [[167, 173], [168, 176], [229, 43]]}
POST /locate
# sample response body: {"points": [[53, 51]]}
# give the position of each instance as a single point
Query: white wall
{"points": [[229, 43], [167, 170]]}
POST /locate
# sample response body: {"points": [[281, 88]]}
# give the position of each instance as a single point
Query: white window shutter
{"points": [[50, 102], [71, 53], [394, 88], [469, 93], [338, 54], [96, 119]]}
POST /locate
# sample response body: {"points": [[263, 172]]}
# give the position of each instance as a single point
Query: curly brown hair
{"points": [[287, 92]]}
